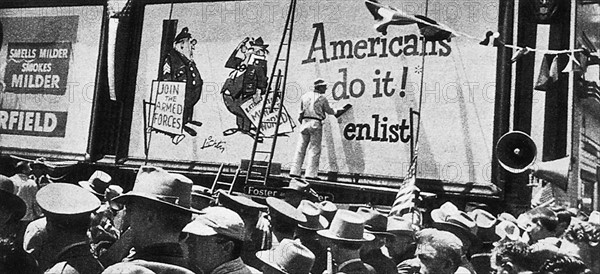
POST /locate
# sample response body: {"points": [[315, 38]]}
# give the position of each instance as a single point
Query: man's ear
{"points": [[228, 247]]}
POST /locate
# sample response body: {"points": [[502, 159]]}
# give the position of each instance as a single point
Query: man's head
{"points": [[214, 237], [438, 251], [289, 257], [23, 167], [247, 208], [404, 236], [539, 223], [285, 218], [320, 86], [158, 204], [12, 207], [184, 43], [298, 190], [511, 257]]}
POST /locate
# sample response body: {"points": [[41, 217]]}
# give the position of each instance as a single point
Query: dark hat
{"points": [[259, 43], [347, 226], [201, 197], [66, 199], [159, 186], [237, 203], [10, 200], [286, 210], [97, 183], [289, 257], [375, 222], [320, 82], [328, 210], [460, 224], [183, 34], [314, 220]]}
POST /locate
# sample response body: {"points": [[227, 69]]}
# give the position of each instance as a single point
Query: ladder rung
{"points": [[281, 59], [223, 183], [256, 180], [263, 151]]}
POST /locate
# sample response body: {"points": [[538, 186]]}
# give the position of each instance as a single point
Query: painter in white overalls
{"points": [[313, 109]]}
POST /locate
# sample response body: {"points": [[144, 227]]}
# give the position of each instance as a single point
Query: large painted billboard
{"points": [[384, 77], [48, 60]]}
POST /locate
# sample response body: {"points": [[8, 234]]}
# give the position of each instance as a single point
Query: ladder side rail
{"points": [[215, 182], [282, 89], [237, 172]]}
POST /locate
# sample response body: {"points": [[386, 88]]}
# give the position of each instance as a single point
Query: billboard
{"points": [[229, 48], [48, 60]]}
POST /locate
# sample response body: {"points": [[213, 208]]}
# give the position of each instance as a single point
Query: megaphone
{"points": [[517, 153]]}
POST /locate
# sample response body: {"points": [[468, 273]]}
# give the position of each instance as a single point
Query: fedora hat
{"points": [[302, 187], [328, 210], [486, 224], [314, 220], [460, 224], [399, 225], [239, 203], [594, 217], [10, 200], [508, 229], [375, 222], [258, 42], [201, 197], [217, 220], [282, 208], [97, 183], [347, 226], [66, 199], [289, 257], [159, 186], [439, 214]]}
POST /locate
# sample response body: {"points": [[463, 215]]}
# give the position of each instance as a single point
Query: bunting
{"points": [[548, 72]]}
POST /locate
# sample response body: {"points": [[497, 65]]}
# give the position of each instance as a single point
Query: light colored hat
{"points": [[440, 214], [508, 229], [66, 199], [594, 217], [157, 185], [460, 224], [399, 225], [328, 210], [283, 209], [347, 226], [375, 222], [217, 220], [486, 223], [97, 183], [314, 220], [289, 257]]}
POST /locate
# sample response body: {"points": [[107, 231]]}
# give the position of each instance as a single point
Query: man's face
{"points": [[137, 216], [432, 262], [399, 244], [266, 269], [186, 47], [544, 10], [292, 197], [205, 252]]}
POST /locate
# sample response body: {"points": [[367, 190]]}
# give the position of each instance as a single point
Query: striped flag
{"points": [[405, 199]]}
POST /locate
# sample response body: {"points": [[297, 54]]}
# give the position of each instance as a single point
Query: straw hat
{"points": [[347, 226], [486, 224], [375, 222], [161, 187], [399, 225], [460, 224], [439, 214], [328, 210], [97, 183], [314, 220], [217, 220], [289, 257]]}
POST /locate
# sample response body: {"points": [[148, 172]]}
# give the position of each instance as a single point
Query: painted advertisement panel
{"points": [[389, 80], [48, 60]]}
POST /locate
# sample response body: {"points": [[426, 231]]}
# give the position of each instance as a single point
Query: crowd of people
{"points": [[166, 224]]}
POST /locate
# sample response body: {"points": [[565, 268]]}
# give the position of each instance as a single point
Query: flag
{"points": [[386, 15], [432, 31], [405, 198], [572, 65], [548, 72], [520, 52]]}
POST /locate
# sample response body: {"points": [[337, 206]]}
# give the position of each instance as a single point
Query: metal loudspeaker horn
{"points": [[517, 153]]}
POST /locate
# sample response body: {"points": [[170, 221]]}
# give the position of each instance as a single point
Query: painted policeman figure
{"points": [[179, 66], [313, 110], [248, 77]]}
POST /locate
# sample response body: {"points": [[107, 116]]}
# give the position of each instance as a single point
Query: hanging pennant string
{"points": [[395, 16]]}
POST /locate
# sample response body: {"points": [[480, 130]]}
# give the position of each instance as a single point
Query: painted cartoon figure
{"points": [[249, 76], [179, 66]]}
